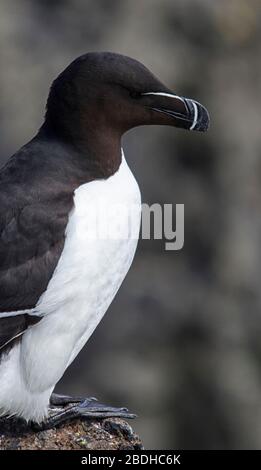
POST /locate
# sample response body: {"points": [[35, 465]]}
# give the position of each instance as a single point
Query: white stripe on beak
{"points": [[159, 93], [195, 120]]}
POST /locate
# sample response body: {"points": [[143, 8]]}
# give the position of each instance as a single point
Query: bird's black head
{"points": [[108, 91]]}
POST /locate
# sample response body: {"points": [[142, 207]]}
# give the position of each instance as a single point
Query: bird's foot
{"points": [[64, 400], [65, 408]]}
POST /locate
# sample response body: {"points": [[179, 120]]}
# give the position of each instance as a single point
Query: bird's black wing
{"points": [[36, 197]]}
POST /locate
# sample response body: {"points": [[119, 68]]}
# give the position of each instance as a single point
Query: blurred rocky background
{"points": [[181, 343]]}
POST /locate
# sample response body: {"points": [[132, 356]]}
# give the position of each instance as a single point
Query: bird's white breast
{"points": [[101, 239]]}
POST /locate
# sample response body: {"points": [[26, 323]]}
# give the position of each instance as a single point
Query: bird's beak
{"points": [[177, 111]]}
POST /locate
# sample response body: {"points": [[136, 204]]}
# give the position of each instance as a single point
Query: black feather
{"points": [[11, 328]]}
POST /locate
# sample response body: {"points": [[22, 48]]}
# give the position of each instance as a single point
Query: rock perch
{"points": [[102, 434]]}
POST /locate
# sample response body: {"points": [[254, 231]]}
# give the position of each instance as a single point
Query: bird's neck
{"points": [[97, 146]]}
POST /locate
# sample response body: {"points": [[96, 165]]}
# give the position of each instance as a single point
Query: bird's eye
{"points": [[134, 94]]}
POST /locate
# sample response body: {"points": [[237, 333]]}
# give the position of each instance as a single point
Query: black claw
{"points": [[80, 408], [63, 400]]}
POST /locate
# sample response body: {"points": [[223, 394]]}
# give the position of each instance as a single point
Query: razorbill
{"points": [[56, 280]]}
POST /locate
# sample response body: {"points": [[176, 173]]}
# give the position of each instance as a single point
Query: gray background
{"points": [[180, 344]]}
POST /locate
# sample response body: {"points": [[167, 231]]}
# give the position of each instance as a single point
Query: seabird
{"points": [[57, 281]]}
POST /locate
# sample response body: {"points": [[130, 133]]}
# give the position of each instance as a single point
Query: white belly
{"points": [[90, 271]]}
